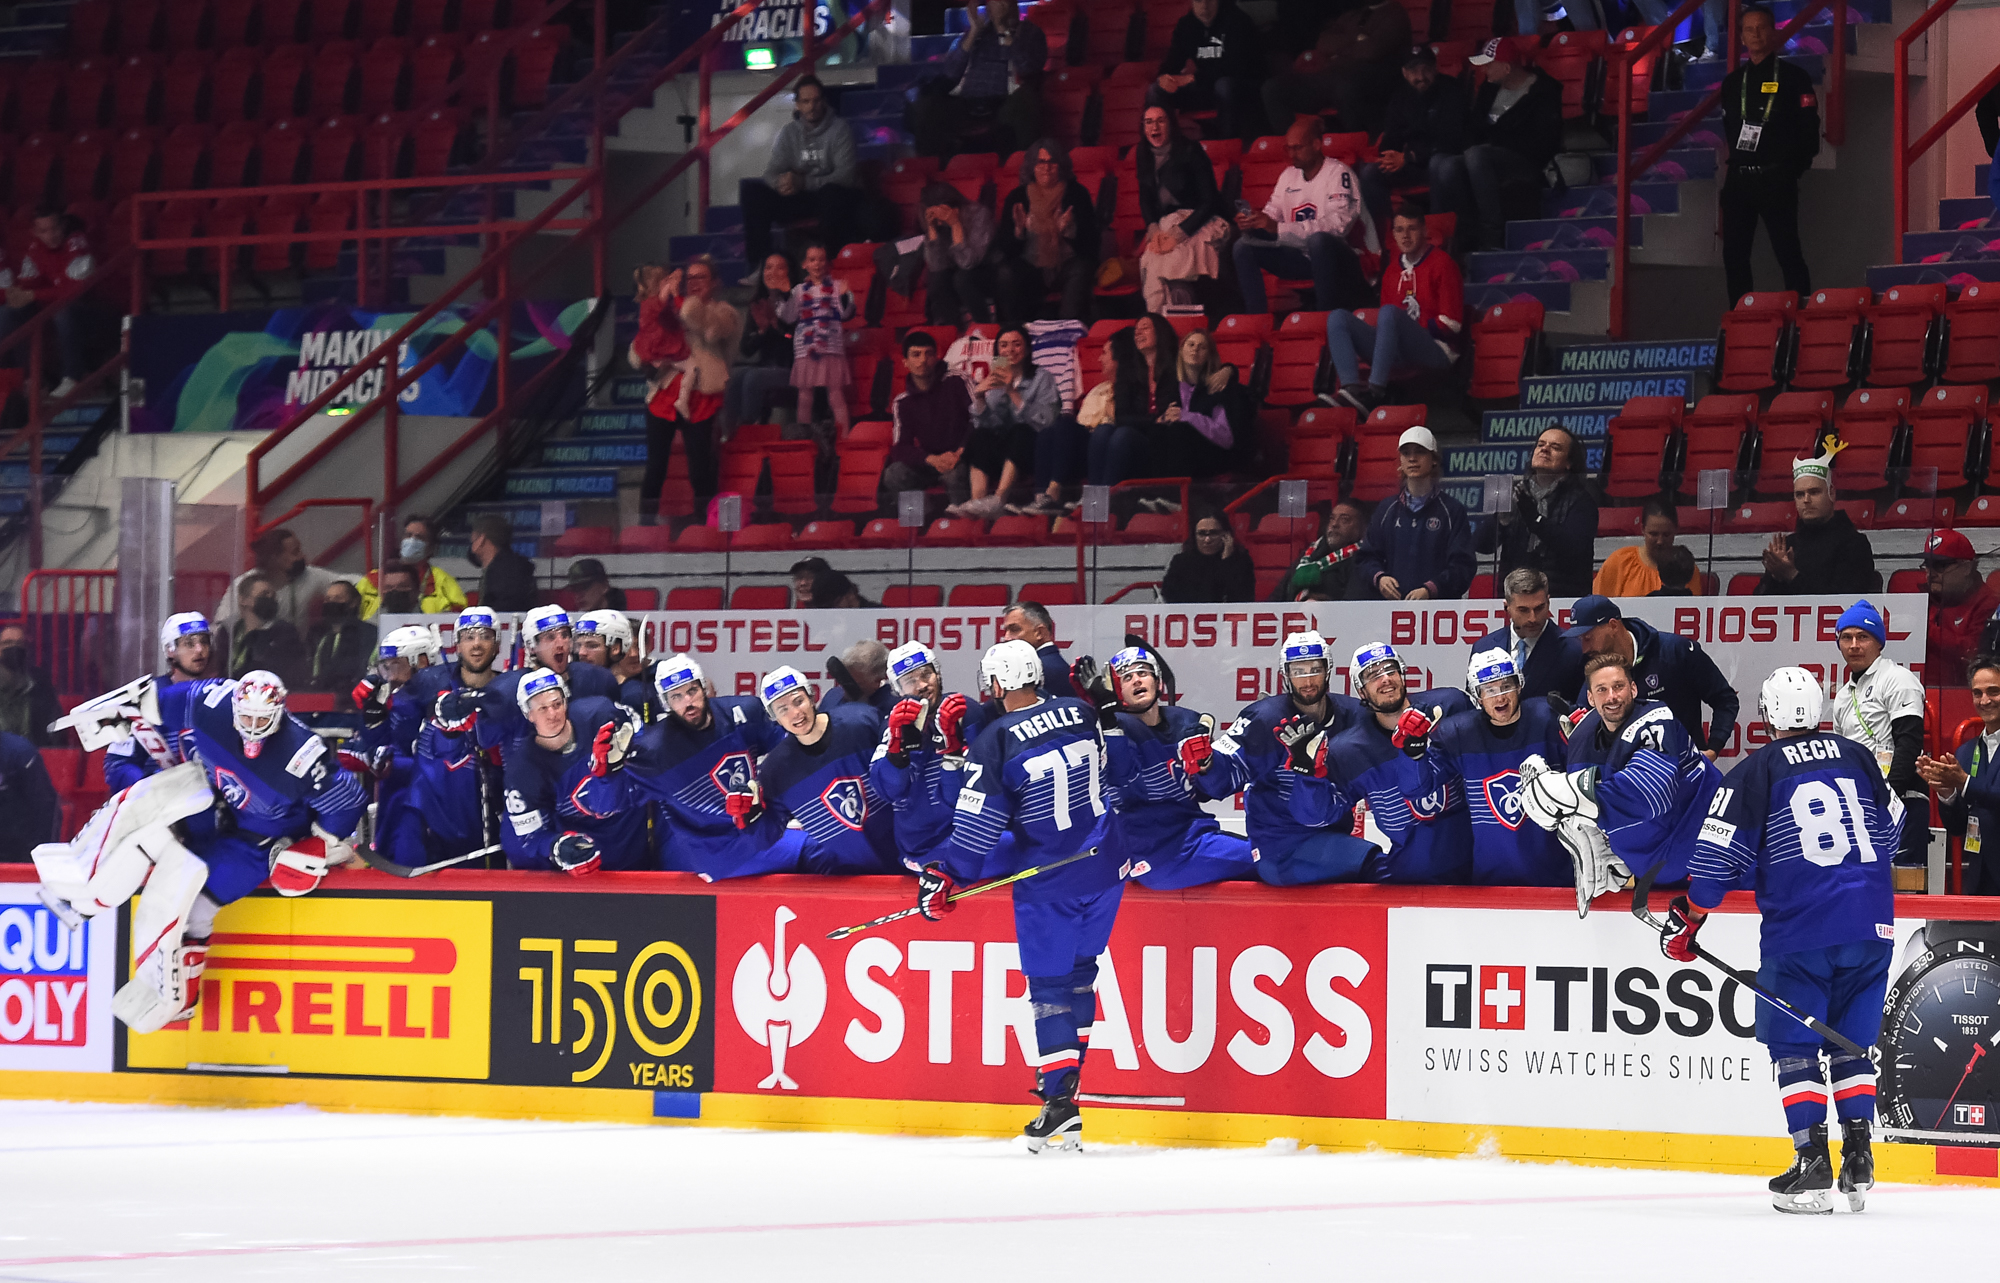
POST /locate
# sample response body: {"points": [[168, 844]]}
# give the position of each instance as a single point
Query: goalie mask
{"points": [[1013, 664], [1791, 701], [257, 709], [912, 668], [1305, 658]]}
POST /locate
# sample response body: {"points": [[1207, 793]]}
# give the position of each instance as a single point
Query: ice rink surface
{"points": [[122, 1192]]}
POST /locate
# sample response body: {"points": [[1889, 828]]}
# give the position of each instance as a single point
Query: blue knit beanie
{"points": [[1865, 617]]}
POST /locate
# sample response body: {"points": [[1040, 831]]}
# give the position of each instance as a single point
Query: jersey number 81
{"points": [[1824, 833]]}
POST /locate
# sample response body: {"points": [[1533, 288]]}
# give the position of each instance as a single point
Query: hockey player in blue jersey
{"points": [[446, 809], [380, 752], [547, 634], [1634, 791], [187, 643], [233, 790], [1808, 822], [817, 775], [699, 763], [1164, 839], [606, 638], [1251, 756], [1035, 778], [1379, 757], [1481, 750], [565, 810], [917, 766]]}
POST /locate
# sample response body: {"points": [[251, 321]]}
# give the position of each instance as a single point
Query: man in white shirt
{"points": [[1302, 230], [1881, 707]]}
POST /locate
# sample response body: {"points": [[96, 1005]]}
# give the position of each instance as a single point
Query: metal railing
{"points": [[1906, 153], [67, 615], [1619, 61]]}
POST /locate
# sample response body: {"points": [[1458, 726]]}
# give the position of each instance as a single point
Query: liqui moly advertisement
{"points": [[55, 986]]}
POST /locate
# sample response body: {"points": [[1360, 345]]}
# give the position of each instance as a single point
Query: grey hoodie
{"points": [[820, 154]]}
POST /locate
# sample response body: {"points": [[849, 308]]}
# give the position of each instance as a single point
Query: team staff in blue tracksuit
{"points": [[1419, 541], [1666, 668]]}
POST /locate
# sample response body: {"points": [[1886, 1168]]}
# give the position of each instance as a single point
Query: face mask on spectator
{"points": [[413, 548], [264, 608], [337, 611], [14, 658], [401, 602]]}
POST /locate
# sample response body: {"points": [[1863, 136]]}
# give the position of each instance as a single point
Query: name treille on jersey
{"points": [[1042, 723]]}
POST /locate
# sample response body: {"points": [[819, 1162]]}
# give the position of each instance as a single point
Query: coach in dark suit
{"points": [[1550, 663], [1968, 785]]}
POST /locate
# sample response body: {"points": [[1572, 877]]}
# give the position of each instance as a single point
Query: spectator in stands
{"points": [[593, 588], [832, 590], [1419, 327], [507, 581], [57, 256], [1419, 542], [1186, 217], [261, 638], [29, 798], [1553, 527], [1545, 17], [1357, 57], [687, 337], [933, 418], [958, 238], [1517, 129], [802, 574], [1303, 229], [342, 644], [815, 309], [1962, 603], [27, 696], [1121, 411], [1777, 101], [867, 666], [991, 81], [1634, 571], [1423, 124], [399, 594], [1323, 571], [437, 592], [1664, 666], [1677, 572], [300, 585], [1549, 660], [1200, 434], [1047, 240], [1210, 567], [1968, 802], [1213, 63], [812, 175], [1824, 555], [1011, 406], [766, 348]]}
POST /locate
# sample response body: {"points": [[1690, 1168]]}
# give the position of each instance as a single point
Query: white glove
{"points": [[1547, 795]]}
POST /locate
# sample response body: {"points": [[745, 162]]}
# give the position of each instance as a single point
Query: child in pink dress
{"points": [[815, 309]]}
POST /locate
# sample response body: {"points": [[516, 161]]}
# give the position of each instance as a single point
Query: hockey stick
{"points": [[381, 864], [1641, 911], [841, 933]]}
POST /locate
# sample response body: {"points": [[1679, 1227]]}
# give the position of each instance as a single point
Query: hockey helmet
{"points": [[906, 661], [611, 625], [1304, 655], [1014, 664], [257, 708], [672, 673], [473, 618], [542, 619], [1135, 657], [539, 682], [1489, 667], [191, 624], [1367, 656], [1791, 700], [413, 642], [780, 682]]}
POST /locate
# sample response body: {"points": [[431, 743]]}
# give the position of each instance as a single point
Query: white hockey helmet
{"points": [[906, 660], [1489, 667], [611, 625], [190, 624], [670, 674], [413, 642], [780, 682], [257, 708], [1367, 656], [542, 619], [539, 682], [475, 617], [1134, 657], [1014, 664], [1304, 651], [1791, 700]]}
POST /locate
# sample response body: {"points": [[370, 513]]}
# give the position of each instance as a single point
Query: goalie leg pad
{"points": [[99, 868], [1596, 869], [160, 990]]}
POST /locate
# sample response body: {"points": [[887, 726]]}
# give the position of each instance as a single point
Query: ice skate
{"points": [[1857, 1163], [1806, 1187], [1059, 1126]]}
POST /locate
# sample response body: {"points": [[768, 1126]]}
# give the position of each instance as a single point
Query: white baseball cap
{"points": [[1419, 436]]}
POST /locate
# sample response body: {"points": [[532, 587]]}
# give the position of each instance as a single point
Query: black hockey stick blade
{"points": [[838, 674], [382, 864], [1641, 890]]}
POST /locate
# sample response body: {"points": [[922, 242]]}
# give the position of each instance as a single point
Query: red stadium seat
{"points": [[1325, 421], [700, 538], [89, 27], [883, 532], [1905, 334], [432, 64], [1869, 423], [282, 80], [377, 18], [434, 136], [1375, 467], [1790, 429], [534, 63], [232, 23], [1744, 585], [586, 541], [383, 72], [1948, 432], [283, 22], [1573, 59], [334, 144], [87, 92], [328, 20], [825, 534], [1633, 462], [1915, 514], [1618, 523], [1298, 351], [951, 532], [182, 86], [84, 157], [1017, 530], [335, 71], [37, 92], [332, 212], [860, 477], [905, 596], [132, 156], [1972, 354], [280, 152], [230, 79], [276, 215], [230, 155], [792, 481], [654, 539], [1751, 349], [1051, 594], [133, 90], [994, 595], [427, 17], [761, 597], [1391, 420], [1829, 345], [478, 15], [1504, 343], [775, 536]]}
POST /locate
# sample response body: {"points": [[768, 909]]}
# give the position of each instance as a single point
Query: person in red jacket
{"points": [[1419, 326], [58, 254], [1962, 603]]}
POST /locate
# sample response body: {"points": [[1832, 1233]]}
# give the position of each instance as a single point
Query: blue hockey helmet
{"points": [[1368, 656], [1135, 657], [1489, 667], [539, 682]]}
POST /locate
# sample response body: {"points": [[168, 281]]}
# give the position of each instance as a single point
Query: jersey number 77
{"points": [[1057, 763]]}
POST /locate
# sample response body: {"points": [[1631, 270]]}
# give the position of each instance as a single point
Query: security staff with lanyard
{"points": [[1771, 119]]}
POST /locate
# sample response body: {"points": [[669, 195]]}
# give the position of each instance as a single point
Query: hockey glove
{"points": [[1567, 716], [369, 764], [457, 711], [298, 865], [934, 888], [371, 696], [1677, 936], [1297, 734], [1413, 732], [575, 854], [950, 717], [1197, 753], [1099, 687], [904, 738], [744, 808], [607, 751]]}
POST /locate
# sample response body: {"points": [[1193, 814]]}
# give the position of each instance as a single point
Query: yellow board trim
{"points": [[1739, 1155]]}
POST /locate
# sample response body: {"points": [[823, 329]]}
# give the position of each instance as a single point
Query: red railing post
{"points": [[1905, 151], [138, 266], [598, 47], [1735, 30], [1621, 265], [35, 349], [360, 247]]}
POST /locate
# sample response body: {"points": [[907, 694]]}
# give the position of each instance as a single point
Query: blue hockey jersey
{"points": [[1250, 760], [1037, 775], [688, 772], [1508, 849], [1653, 787], [442, 795], [293, 781], [1430, 838], [1811, 824], [1158, 807], [500, 720], [921, 796], [825, 787], [550, 792]]}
